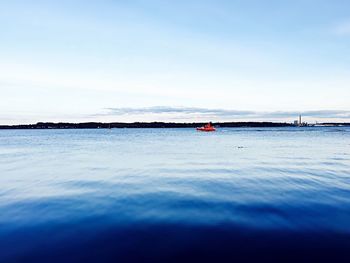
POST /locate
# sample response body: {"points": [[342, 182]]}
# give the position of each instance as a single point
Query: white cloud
{"points": [[226, 113]]}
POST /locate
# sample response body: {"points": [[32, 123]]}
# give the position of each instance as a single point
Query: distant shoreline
{"points": [[101, 125]]}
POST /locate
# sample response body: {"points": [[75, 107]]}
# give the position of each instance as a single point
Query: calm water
{"points": [[162, 195]]}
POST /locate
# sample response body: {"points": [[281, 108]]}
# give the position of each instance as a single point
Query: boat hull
{"points": [[211, 129]]}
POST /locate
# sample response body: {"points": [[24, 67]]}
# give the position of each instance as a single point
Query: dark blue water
{"points": [[175, 195]]}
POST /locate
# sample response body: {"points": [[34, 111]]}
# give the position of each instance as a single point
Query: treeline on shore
{"points": [[101, 125], [97, 125]]}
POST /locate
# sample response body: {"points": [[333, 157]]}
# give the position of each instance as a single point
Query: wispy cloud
{"points": [[177, 110], [342, 29], [180, 112]]}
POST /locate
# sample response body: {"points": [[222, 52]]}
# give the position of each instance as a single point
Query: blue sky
{"points": [[155, 60]]}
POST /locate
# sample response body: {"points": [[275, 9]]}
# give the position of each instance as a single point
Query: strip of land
{"points": [[101, 125]]}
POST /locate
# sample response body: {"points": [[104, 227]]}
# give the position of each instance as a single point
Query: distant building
{"points": [[299, 122]]}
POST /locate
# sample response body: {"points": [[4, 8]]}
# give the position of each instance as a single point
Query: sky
{"points": [[183, 60]]}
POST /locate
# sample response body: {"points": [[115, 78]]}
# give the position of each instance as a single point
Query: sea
{"points": [[175, 195]]}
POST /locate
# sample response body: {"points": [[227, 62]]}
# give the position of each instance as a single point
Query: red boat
{"points": [[206, 128]]}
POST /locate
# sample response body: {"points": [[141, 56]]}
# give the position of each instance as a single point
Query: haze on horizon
{"points": [[174, 60]]}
